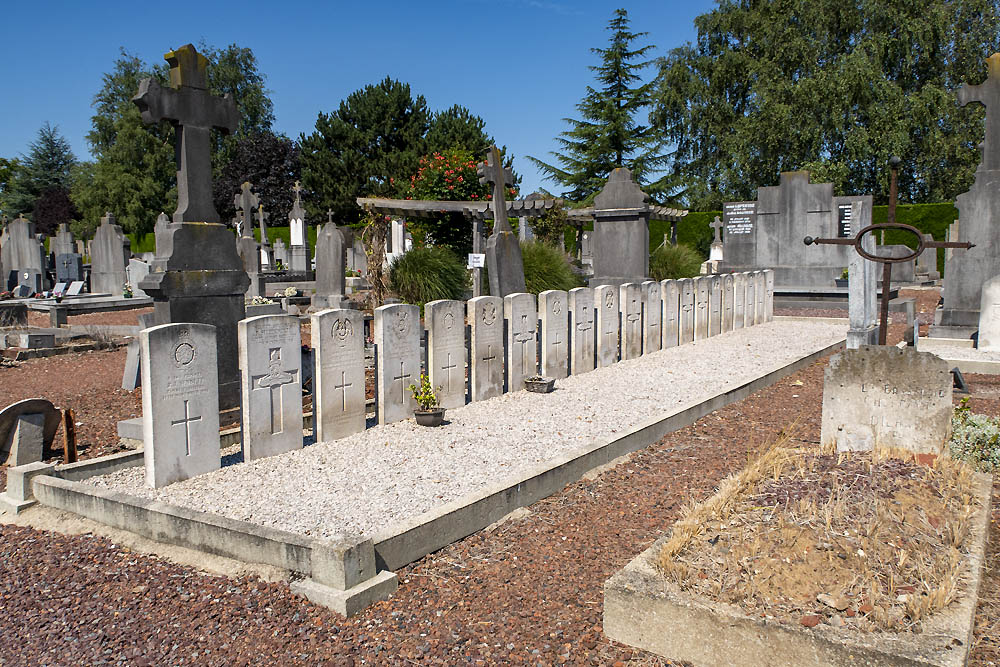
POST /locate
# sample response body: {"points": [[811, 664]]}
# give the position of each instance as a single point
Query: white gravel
{"points": [[965, 353], [368, 481]]}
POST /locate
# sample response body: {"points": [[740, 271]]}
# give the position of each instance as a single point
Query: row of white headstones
{"points": [[575, 332]]}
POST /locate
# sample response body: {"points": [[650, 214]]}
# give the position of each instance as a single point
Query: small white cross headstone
{"points": [[397, 355], [714, 305], [445, 322], [630, 304], [582, 330], [701, 302], [521, 315], [553, 310], [670, 295], [687, 310], [608, 323], [338, 342], [486, 345], [652, 317]]}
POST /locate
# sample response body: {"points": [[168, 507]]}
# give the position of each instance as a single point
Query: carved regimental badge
{"points": [[184, 351], [489, 314], [342, 330]]}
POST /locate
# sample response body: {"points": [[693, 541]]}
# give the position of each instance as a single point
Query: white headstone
{"points": [[701, 299], [486, 344], [728, 286], [137, 272], [989, 315], [768, 295], [630, 306], [180, 402], [750, 300], [714, 305], [687, 310], [608, 319], [553, 311], [445, 321], [338, 340], [739, 300], [522, 323], [670, 295], [397, 354], [297, 232], [760, 293], [582, 328], [652, 317], [271, 368]]}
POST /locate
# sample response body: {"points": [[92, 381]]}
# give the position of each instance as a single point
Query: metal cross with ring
{"points": [[887, 262]]}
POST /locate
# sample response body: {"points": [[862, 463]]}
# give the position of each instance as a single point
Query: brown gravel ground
{"points": [[526, 592], [37, 319]]}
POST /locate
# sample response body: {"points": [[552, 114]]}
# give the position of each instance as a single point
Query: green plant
{"points": [[674, 261], [547, 267], [426, 274], [424, 394], [127, 291], [975, 438], [843, 274]]}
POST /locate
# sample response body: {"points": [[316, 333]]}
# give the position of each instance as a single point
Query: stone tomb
{"points": [[180, 402], [109, 257], [687, 305], [581, 324], [621, 231], [397, 360], [445, 321], [21, 250], [884, 396], [521, 318], [714, 305], [270, 349], [652, 317], [701, 302], [630, 306], [338, 340], [486, 345], [331, 266], [670, 296], [553, 311], [606, 304]]}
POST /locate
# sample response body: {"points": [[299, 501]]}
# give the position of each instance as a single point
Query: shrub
{"points": [[674, 261], [426, 274], [975, 438], [546, 267]]}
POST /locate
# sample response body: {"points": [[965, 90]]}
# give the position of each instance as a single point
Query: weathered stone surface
{"points": [[521, 316], [728, 296], [69, 267], [10, 418], [687, 314], [338, 341], [608, 322], [714, 305], [701, 305], [885, 396], [630, 309], [299, 259], [750, 300], [768, 295], [670, 296], [20, 250], [553, 311], [760, 294], [989, 316], [137, 272], [62, 243], [862, 288], [331, 266], [180, 402], [582, 327], [109, 257], [652, 317], [486, 345], [503, 251], [445, 322], [397, 360], [621, 231], [740, 241], [271, 365]]}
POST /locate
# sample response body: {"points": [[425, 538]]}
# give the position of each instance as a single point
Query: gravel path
{"points": [[368, 481]]}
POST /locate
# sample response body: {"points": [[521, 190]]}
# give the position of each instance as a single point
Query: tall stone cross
{"points": [[329, 215], [988, 94], [247, 202], [717, 226], [503, 250], [194, 112]]}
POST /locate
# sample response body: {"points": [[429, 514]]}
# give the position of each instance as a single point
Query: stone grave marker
{"points": [[397, 360], [768, 295], [331, 265], [271, 367], [445, 322], [132, 375], [503, 251], [687, 314], [59, 288], [714, 305], [21, 250], [75, 288], [582, 328], [180, 402], [137, 272], [701, 302], [739, 300], [486, 347], [670, 295], [862, 292], [69, 267], [298, 251], [27, 427], [989, 316], [750, 306], [621, 231], [885, 396], [760, 294], [630, 307], [608, 322], [109, 257], [521, 318], [652, 317], [62, 242], [280, 253], [553, 311], [31, 280], [728, 295], [338, 341]]}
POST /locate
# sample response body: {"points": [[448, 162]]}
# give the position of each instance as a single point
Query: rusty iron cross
{"points": [[887, 262]]}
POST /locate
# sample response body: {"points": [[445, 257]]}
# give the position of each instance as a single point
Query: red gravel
{"points": [[528, 592], [127, 317]]}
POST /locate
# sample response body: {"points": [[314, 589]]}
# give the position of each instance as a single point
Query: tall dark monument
{"points": [[197, 275], [503, 250]]}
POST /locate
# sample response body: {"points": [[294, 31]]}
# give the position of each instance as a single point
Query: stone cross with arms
{"points": [[503, 251], [194, 111], [717, 226], [988, 94], [247, 202]]}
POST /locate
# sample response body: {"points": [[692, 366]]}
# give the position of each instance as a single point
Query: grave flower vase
{"points": [[432, 417]]}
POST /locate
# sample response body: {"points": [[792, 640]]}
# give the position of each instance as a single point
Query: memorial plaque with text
{"points": [[739, 240]]}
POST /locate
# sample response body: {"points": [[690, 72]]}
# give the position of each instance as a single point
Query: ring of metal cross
{"points": [[889, 225]]}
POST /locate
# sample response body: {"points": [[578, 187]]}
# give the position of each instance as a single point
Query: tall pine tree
{"points": [[608, 134], [44, 173]]}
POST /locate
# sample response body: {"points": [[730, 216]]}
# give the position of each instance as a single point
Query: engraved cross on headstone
{"points": [[988, 94], [188, 419], [402, 377], [524, 336], [344, 384], [194, 112], [717, 226], [273, 382], [246, 202], [489, 359], [448, 368]]}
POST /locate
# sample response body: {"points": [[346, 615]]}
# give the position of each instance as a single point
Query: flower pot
{"points": [[539, 385], [841, 282], [429, 417]]}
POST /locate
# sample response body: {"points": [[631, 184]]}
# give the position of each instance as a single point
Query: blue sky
{"points": [[519, 64]]}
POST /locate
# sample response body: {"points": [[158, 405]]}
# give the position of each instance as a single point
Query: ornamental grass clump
{"points": [[673, 262], [546, 267], [426, 274], [975, 438]]}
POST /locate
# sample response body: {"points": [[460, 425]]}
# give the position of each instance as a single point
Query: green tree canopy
{"points": [[458, 128], [271, 163], [832, 86], [372, 140], [45, 171], [608, 134]]}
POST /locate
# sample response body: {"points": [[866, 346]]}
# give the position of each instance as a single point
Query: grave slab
{"points": [[608, 322], [338, 341], [521, 317], [445, 322], [553, 312], [582, 328], [397, 360], [486, 345]]}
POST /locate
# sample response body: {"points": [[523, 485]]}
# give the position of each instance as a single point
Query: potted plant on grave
{"points": [[539, 384], [127, 291], [428, 412], [842, 280]]}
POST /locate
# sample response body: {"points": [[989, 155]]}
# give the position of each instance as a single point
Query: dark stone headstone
{"points": [[503, 251], [621, 232], [69, 267], [739, 242], [30, 279], [331, 267], [21, 251], [109, 254]]}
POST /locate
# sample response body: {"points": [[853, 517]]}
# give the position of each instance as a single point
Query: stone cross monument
{"points": [[246, 201], [298, 258], [503, 251], [197, 275]]}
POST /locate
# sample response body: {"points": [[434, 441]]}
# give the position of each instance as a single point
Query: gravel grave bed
{"points": [[965, 353], [370, 480]]}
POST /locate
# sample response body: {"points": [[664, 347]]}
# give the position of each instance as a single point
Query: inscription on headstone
{"points": [[553, 311], [652, 317], [397, 360], [687, 310], [521, 317], [606, 303], [445, 321], [486, 345], [670, 296], [582, 328], [338, 340]]}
